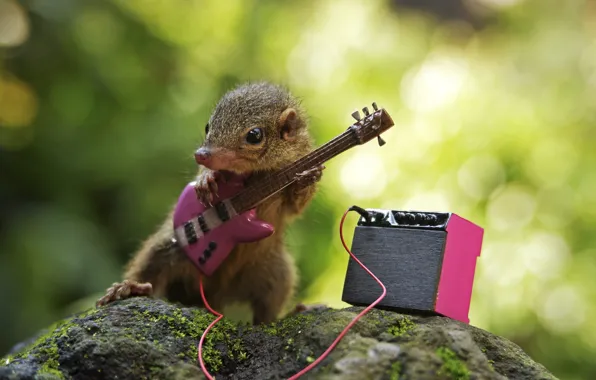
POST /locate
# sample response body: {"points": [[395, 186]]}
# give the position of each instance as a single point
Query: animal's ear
{"points": [[288, 124]]}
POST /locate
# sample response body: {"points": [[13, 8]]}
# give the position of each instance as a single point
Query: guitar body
{"points": [[206, 237]]}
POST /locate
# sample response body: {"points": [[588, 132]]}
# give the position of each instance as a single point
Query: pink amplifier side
{"points": [[462, 248]]}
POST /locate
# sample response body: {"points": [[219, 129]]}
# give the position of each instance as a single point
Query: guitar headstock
{"points": [[371, 125]]}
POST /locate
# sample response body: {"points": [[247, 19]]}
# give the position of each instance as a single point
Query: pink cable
{"points": [[335, 342], [219, 316]]}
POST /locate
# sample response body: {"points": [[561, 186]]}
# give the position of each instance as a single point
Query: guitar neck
{"points": [[251, 196]]}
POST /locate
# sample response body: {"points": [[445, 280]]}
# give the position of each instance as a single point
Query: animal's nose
{"points": [[202, 155]]}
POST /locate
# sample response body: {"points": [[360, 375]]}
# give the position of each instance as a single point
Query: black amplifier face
{"points": [[402, 260]]}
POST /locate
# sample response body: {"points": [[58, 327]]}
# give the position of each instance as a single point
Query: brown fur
{"points": [[261, 273]]}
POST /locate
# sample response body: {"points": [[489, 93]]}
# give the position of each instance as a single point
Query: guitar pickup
{"points": [[191, 234]]}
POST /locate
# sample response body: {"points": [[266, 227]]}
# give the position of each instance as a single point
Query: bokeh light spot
{"points": [[14, 24], [511, 209], [97, 31], [556, 206], [480, 175], [363, 175], [318, 58], [545, 255], [429, 201], [496, 268], [18, 103], [497, 3], [551, 161], [563, 309], [436, 83]]}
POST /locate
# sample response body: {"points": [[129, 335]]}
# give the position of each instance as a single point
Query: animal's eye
{"points": [[207, 128], [254, 136]]}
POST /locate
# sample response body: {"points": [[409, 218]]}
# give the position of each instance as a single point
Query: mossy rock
{"points": [[142, 338]]}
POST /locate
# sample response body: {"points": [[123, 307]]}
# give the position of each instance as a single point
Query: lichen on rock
{"points": [[143, 338]]}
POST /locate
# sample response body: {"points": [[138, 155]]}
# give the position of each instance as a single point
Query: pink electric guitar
{"points": [[208, 234]]}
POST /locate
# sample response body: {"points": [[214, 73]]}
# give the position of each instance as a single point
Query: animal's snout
{"points": [[202, 156]]}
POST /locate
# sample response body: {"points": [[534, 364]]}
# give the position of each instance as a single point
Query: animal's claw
{"points": [[310, 176], [123, 290], [206, 186]]}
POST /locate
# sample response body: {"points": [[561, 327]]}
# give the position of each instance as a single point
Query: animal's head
{"points": [[256, 126]]}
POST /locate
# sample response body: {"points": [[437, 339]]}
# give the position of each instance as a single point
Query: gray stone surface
{"points": [[142, 338]]}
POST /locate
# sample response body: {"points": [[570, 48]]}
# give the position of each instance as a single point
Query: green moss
{"points": [[219, 334], [50, 371], [6, 360], [55, 331], [50, 356], [402, 326], [45, 348], [288, 325], [452, 366], [395, 371], [271, 329], [242, 356], [490, 365], [192, 326], [90, 312], [181, 326], [211, 356]]}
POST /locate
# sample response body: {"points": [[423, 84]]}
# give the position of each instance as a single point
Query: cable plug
{"points": [[365, 214]]}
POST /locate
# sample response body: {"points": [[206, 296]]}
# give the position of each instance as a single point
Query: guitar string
{"points": [[310, 160], [256, 191], [246, 197], [347, 133]]}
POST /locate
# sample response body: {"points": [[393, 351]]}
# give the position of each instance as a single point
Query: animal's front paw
{"points": [[125, 289], [206, 186], [310, 176]]}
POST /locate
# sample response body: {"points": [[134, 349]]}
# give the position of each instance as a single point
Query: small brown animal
{"points": [[255, 128]]}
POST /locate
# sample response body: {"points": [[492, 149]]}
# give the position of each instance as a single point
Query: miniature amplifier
{"points": [[426, 260]]}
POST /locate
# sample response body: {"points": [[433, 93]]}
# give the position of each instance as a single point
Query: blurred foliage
{"points": [[103, 103]]}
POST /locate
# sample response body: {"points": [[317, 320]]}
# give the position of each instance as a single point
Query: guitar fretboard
{"points": [[254, 194]]}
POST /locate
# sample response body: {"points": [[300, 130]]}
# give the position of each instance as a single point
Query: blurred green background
{"points": [[102, 104]]}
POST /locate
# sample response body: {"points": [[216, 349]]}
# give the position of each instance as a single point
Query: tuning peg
{"points": [[381, 141], [365, 110], [356, 115], [375, 106]]}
